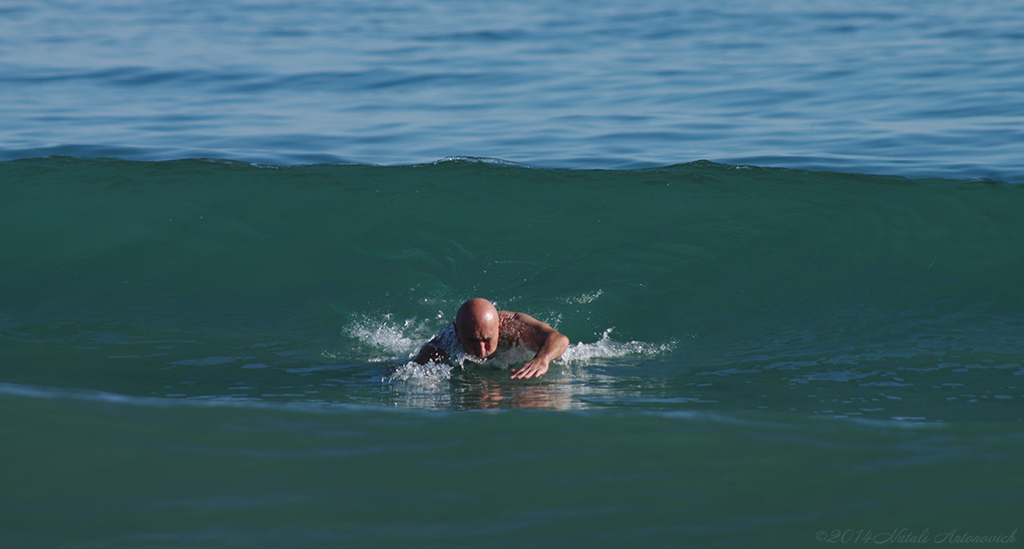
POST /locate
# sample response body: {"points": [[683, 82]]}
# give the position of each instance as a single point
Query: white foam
{"points": [[585, 298], [427, 374], [480, 160], [606, 348], [399, 340]]}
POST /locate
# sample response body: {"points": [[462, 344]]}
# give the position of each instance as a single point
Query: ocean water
{"points": [[916, 88], [211, 353], [783, 238]]}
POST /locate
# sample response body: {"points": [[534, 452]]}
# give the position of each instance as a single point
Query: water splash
{"points": [[425, 374], [399, 341], [606, 348], [585, 299]]}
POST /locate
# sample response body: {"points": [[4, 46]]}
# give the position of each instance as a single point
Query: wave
{"points": [[165, 270]]}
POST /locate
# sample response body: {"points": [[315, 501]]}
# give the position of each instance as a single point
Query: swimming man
{"points": [[484, 332]]}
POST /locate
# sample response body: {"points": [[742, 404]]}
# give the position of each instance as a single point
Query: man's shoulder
{"points": [[515, 316], [440, 347], [430, 353], [513, 329]]}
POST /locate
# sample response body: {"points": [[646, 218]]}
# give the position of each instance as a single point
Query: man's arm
{"points": [[550, 345], [431, 352]]}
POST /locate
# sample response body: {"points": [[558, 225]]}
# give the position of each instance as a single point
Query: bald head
{"points": [[476, 312], [478, 326]]}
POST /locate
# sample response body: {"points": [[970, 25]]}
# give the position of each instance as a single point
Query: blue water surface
{"points": [[912, 88]]}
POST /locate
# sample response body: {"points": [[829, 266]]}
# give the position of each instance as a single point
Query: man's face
{"points": [[479, 341]]}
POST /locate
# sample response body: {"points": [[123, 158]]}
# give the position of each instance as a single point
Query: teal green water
{"points": [[207, 353], [115, 474], [215, 354]]}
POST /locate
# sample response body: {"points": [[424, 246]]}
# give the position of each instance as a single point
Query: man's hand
{"points": [[549, 344], [533, 368]]}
